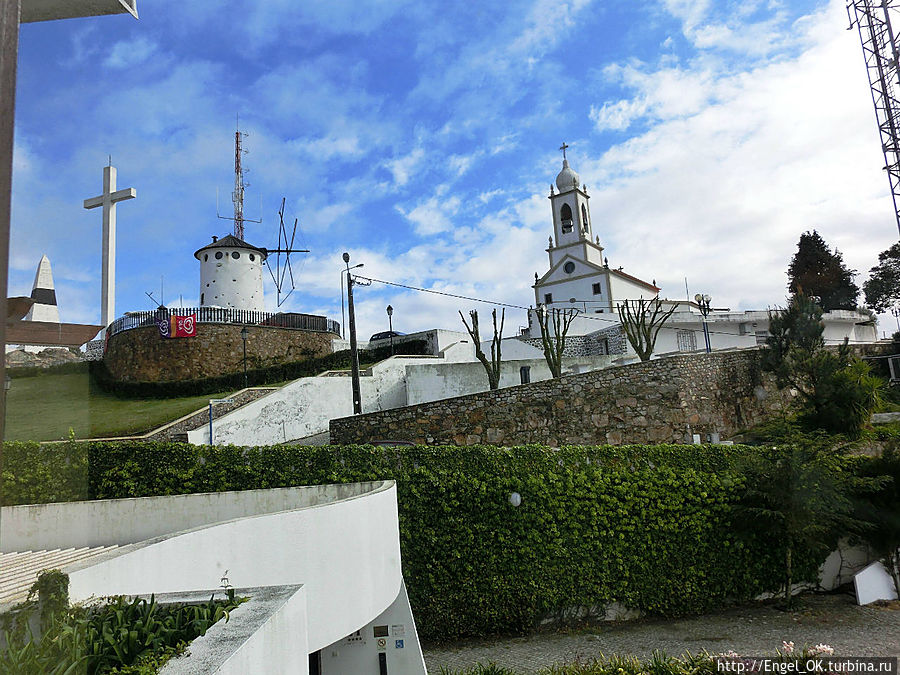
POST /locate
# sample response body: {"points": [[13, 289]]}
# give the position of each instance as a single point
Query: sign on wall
{"points": [[177, 326]]}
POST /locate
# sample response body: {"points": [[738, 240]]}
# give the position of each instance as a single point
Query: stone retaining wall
{"points": [[141, 355], [663, 401]]}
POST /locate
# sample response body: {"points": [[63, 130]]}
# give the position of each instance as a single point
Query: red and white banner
{"points": [[183, 326]]}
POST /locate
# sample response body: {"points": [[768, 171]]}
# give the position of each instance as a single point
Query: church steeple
{"points": [[571, 210]]}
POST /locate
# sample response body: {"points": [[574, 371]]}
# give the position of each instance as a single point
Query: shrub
{"points": [[134, 636]]}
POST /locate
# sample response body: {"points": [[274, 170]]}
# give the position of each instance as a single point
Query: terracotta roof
{"points": [[230, 241], [634, 279]]}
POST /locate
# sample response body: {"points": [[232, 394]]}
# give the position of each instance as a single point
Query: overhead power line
{"points": [[593, 317]]}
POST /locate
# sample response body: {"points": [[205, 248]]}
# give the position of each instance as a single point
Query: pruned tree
{"points": [[883, 286], [642, 321], [555, 325], [492, 367], [817, 271]]}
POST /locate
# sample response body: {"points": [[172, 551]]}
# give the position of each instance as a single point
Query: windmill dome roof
{"points": [[230, 241], [567, 178]]}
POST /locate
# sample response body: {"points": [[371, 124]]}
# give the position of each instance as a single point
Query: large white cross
{"points": [[108, 201]]}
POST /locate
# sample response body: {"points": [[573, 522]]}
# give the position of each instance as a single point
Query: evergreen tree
{"points": [[883, 287], [837, 392], [816, 271]]}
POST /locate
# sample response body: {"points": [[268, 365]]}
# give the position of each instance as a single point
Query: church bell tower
{"points": [[572, 228]]}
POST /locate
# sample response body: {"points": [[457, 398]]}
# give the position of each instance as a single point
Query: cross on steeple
{"points": [[563, 148]]}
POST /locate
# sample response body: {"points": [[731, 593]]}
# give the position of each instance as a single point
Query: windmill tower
{"points": [[231, 269], [875, 20]]}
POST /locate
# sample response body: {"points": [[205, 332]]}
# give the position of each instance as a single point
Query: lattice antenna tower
{"points": [[237, 195], [875, 20]]}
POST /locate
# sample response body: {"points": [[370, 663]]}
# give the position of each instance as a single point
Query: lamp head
{"points": [[346, 257], [698, 298], [390, 310]]}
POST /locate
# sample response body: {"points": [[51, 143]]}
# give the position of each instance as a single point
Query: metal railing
{"points": [[308, 322]]}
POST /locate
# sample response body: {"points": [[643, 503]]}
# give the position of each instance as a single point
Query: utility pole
{"points": [[354, 353]]}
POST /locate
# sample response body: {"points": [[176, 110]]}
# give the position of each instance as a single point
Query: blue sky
{"points": [[422, 138]]}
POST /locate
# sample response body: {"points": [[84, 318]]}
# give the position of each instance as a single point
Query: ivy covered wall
{"points": [[649, 527]]}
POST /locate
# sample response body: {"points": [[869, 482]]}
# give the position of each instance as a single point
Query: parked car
{"points": [[384, 335]]}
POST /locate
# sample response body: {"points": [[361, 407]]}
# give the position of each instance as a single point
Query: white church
{"points": [[580, 280]]}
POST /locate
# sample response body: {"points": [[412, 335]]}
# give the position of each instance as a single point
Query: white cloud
{"points": [[723, 182], [129, 53], [618, 115], [402, 168], [432, 216]]}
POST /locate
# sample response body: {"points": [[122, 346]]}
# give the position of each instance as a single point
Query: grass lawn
{"points": [[45, 407]]}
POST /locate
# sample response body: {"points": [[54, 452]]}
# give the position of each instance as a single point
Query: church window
{"points": [[596, 289], [235, 255], [584, 219], [565, 213], [218, 255], [569, 267], [548, 298]]}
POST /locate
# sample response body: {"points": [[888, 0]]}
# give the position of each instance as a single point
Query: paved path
{"points": [[754, 631]]}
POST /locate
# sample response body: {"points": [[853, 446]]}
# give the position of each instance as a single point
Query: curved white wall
{"points": [[345, 553], [231, 282]]}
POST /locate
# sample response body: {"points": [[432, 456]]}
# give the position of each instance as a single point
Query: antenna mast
{"points": [[881, 54], [237, 196]]}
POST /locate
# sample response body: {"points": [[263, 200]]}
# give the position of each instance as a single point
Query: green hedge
{"points": [[32, 473], [255, 376], [651, 527]]}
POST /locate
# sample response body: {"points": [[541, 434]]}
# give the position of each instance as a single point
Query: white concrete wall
{"points": [[264, 634], [345, 553], [358, 653], [304, 407], [436, 381], [109, 522], [279, 646]]}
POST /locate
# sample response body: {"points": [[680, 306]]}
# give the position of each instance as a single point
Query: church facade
{"points": [[579, 277]]}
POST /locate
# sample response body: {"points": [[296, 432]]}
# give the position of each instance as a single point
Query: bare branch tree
{"points": [[642, 321], [554, 327], [492, 367]]}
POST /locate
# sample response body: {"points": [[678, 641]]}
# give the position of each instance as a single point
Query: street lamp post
{"points": [[703, 302], [244, 334], [354, 353], [390, 313], [896, 312]]}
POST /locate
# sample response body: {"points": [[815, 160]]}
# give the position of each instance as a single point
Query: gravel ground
{"points": [[835, 620]]}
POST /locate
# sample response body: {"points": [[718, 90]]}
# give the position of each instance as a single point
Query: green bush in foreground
{"points": [[702, 663], [136, 636]]}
